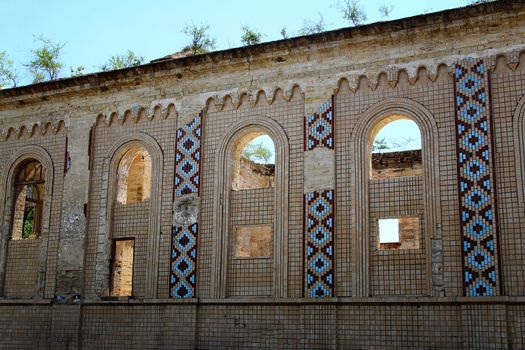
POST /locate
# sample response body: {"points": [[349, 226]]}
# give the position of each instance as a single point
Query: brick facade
{"points": [[323, 280]]}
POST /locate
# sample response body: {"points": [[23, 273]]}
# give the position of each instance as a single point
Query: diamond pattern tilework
{"points": [[474, 147], [188, 158], [183, 261], [320, 127], [319, 244], [184, 239]]}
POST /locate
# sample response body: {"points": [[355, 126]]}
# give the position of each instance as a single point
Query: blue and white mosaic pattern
{"points": [[188, 157], [184, 239], [320, 127], [319, 244], [475, 183]]}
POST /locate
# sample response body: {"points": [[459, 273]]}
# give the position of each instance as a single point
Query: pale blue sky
{"points": [[95, 30]]}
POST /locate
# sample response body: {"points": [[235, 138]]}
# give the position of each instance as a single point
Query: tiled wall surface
{"points": [[264, 326], [372, 298]]}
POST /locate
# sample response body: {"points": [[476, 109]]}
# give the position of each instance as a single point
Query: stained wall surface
{"points": [[324, 280]]}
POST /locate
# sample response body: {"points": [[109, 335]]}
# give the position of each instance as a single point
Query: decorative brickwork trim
{"points": [[476, 178], [319, 244], [183, 258], [320, 127], [183, 261], [319, 211]]}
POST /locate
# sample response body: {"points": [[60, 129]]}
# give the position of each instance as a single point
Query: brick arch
{"points": [[368, 122], [7, 183], [222, 185], [109, 165]]}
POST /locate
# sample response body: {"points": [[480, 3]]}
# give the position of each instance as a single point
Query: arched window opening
{"points": [[395, 146], [134, 176], [29, 201], [253, 162]]}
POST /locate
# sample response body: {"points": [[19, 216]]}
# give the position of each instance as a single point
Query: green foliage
{"points": [[352, 12], [385, 10], [313, 27], [45, 63], [8, 74], [129, 59], [257, 152], [250, 36], [200, 40], [76, 71], [28, 223]]}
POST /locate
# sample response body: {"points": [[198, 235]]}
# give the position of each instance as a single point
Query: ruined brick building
{"points": [[129, 218]]}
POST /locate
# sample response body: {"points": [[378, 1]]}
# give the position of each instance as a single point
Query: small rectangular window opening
{"points": [[122, 268], [399, 233], [253, 242]]}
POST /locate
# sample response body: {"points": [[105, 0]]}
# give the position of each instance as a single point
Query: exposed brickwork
{"points": [[409, 297]]}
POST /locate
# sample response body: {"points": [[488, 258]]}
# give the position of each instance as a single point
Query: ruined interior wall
{"points": [[253, 175]]}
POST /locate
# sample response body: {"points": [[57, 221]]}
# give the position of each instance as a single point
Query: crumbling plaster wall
{"points": [[316, 64]]}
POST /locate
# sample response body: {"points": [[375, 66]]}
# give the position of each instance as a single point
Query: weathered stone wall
{"points": [[380, 298]]}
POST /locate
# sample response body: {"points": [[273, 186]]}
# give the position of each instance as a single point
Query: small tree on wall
{"points": [[250, 36], [257, 152], [45, 62], [200, 40]]}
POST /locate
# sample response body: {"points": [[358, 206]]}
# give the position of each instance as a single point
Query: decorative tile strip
{"points": [[320, 127], [319, 244], [187, 158], [183, 257], [183, 261], [476, 178]]}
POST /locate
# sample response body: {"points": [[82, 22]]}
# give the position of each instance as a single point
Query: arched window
{"points": [[251, 211], [134, 176], [252, 215], [396, 217], [395, 145], [133, 186], [29, 201], [253, 162], [395, 151]]}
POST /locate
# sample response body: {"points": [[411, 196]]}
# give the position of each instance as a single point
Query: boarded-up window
{"points": [[122, 268], [398, 233], [253, 241]]}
